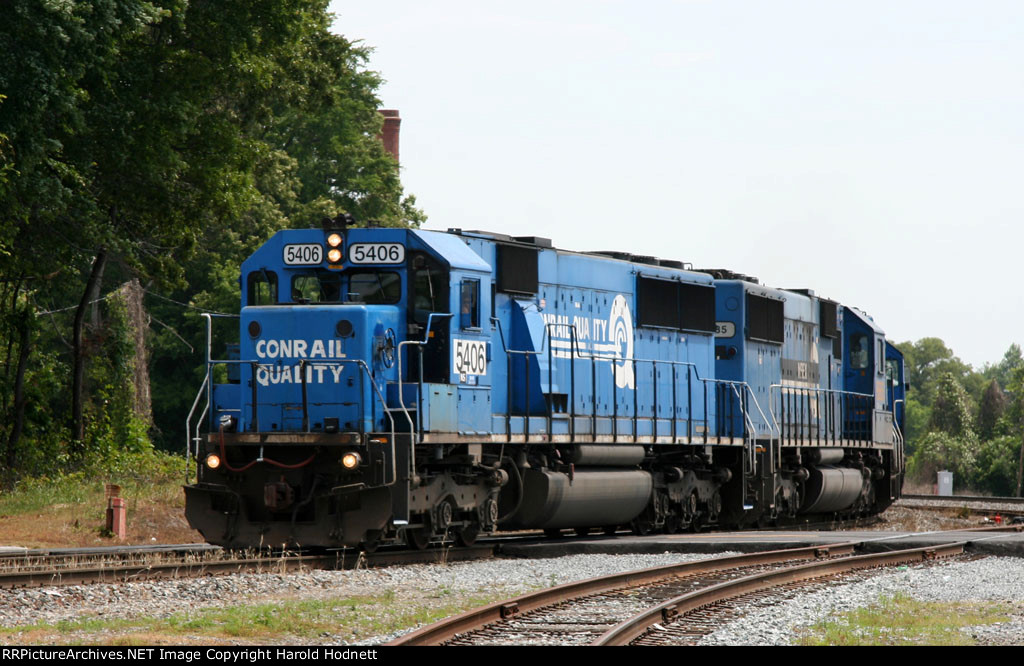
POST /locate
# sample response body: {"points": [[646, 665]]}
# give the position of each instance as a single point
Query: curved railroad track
{"points": [[541, 617], [686, 618], [623, 608]]}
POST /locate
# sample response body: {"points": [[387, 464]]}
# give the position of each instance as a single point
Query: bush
{"points": [[939, 451]]}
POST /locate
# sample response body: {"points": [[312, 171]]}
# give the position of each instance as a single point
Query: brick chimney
{"points": [[389, 133]]}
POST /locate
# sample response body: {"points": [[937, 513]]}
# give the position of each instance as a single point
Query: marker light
{"points": [[334, 256], [213, 461], [334, 240], [351, 460]]}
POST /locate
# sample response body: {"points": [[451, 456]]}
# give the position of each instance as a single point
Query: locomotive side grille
{"points": [[765, 319], [829, 319], [698, 307], [657, 303], [517, 269], [668, 304]]}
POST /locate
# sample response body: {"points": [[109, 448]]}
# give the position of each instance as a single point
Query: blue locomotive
{"points": [[401, 385]]}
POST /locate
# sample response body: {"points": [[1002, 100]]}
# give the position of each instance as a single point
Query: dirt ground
{"points": [[69, 526]]}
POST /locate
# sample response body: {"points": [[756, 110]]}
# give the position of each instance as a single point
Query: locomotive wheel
{"points": [[467, 535], [417, 538], [642, 527], [672, 524], [371, 543]]}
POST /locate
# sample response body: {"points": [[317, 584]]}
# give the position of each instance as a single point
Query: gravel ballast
{"points": [[991, 579]]}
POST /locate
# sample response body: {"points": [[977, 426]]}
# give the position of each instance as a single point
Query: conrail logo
{"points": [[316, 373], [299, 348], [608, 339], [620, 322]]}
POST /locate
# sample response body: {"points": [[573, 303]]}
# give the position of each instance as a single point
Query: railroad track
{"points": [[541, 617], [685, 619], [636, 607], [37, 568], [969, 499]]}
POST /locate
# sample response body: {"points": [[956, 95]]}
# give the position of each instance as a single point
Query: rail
{"points": [[474, 620], [414, 429], [205, 386], [725, 419], [897, 434], [671, 610], [808, 413]]}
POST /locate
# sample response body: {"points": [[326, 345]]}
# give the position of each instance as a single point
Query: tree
{"points": [[165, 140], [1003, 371], [951, 412], [993, 406], [926, 360]]}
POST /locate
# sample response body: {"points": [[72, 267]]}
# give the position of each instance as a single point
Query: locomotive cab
{"points": [[347, 348]]}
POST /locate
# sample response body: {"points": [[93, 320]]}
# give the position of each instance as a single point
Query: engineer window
{"points": [[262, 288], [470, 304], [859, 352], [320, 287], [375, 288]]}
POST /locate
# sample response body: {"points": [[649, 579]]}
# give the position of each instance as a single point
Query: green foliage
{"points": [[928, 359], [114, 427], [141, 476], [941, 451], [951, 409], [962, 420], [1003, 371], [996, 467], [178, 136], [917, 417], [990, 413]]}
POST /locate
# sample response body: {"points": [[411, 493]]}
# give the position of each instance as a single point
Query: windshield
{"points": [[370, 287]]}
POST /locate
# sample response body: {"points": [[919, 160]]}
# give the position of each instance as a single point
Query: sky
{"points": [[870, 151]]}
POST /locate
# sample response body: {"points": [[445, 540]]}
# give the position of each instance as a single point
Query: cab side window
{"points": [[469, 310], [261, 288], [859, 352]]}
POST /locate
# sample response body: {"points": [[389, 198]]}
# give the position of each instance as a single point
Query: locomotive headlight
{"points": [[351, 460], [334, 240], [334, 256], [213, 461]]}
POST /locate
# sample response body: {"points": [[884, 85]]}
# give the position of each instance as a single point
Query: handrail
{"points": [[899, 442], [204, 386], [414, 429], [576, 354], [303, 363], [188, 423], [780, 388]]}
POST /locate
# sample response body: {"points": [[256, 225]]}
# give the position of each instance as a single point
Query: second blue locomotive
{"points": [[420, 386]]}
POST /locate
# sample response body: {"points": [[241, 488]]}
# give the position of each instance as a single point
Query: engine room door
{"points": [[471, 353]]}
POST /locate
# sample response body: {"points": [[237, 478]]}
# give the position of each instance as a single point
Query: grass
{"points": [[900, 620], [68, 510], [332, 620]]}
